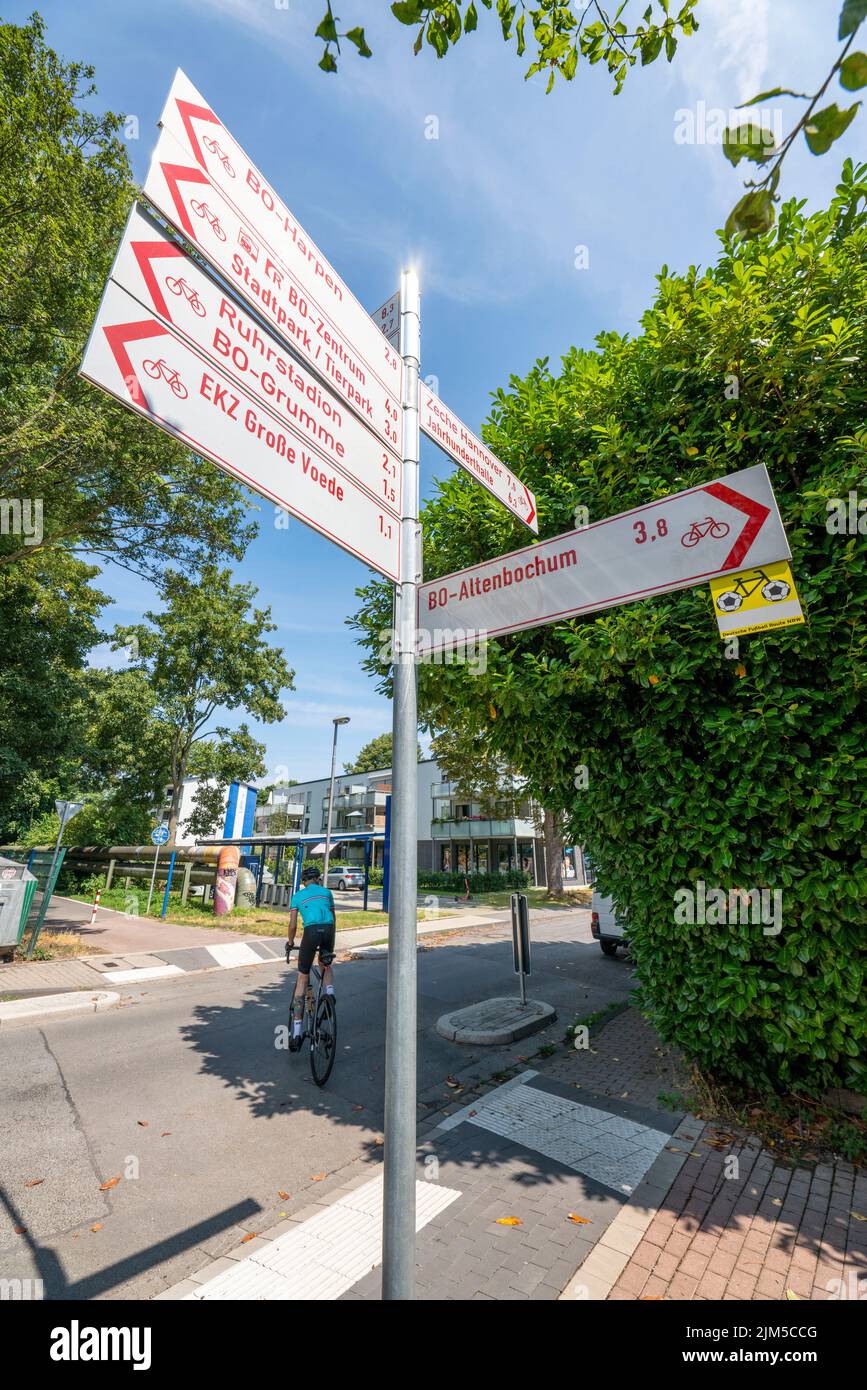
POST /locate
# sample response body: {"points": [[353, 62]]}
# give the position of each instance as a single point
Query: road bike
{"points": [[212, 145], [162, 369], [202, 210], [699, 529], [319, 1023], [180, 286]]}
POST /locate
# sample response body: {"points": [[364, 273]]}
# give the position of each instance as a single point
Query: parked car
{"points": [[345, 878], [606, 925]]}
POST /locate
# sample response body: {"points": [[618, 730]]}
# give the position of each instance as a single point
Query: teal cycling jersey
{"points": [[316, 905]]}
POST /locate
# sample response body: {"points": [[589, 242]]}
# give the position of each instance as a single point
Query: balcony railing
{"points": [[481, 828]]}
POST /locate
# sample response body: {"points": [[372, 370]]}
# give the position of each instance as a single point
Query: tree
{"points": [[560, 33], [235, 757], [107, 481], [374, 755], [206, 652], [742, 769]]}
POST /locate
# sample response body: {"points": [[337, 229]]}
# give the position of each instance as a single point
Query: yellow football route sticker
{"points": [[756, 600]]}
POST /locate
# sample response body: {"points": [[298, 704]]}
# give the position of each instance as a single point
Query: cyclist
{"points": [[316, 905]]}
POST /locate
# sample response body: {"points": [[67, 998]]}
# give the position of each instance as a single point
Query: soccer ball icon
{"points": [[775, 590], [729, 602]]}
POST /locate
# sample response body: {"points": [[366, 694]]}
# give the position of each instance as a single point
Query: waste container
{"points": [[17, 886]]}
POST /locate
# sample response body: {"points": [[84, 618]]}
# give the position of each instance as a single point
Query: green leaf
{"points": [[327, 63], [765, 96], [471, 19], [437, 38], [828, 125], [851, 15], [356, 36], [407, 11], [749, 141], [853, 72], [650, 47], [753, 215], [327, 29]]}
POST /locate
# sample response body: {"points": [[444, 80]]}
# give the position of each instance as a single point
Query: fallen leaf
{"points": [[509, 1221], [20, 1230], [112, 1182], [673, 1150], [165, 1133], [97, 1227], [34, 1182], [652, 1298], [473, 1112], [776, 1201], [318, 1177], [579, 1220], [144, 1123], [857, 1215], [358, 1107], [452, 1081], [251, 1235], [794, 1297], [284, 1196]]}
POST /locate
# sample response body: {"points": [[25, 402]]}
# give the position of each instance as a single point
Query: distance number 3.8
{"points": [[641, 531]]}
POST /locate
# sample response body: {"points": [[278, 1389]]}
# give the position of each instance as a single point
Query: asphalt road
{"points": [[182, 1094]]}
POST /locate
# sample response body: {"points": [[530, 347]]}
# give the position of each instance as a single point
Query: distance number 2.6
{"points": [[641, 532]]}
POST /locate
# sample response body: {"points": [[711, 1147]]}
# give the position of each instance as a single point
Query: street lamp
{"points": [[343, 719]]}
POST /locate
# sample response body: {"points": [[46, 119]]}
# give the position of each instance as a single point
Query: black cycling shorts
{"points": [[316, 938]]}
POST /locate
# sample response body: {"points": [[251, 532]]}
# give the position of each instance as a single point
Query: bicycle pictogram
{"points": [[179, 286], [202, 210], [773, 590], [699, 529], [212, 145], [162, 369]]}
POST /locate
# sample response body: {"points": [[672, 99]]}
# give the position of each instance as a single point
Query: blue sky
{"points": [[491, 214]]}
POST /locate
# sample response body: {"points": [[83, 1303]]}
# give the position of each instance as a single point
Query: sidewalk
{"points": [[569, 1181], [204, 948]]}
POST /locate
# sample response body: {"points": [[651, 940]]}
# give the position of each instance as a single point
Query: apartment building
{"points": [[453, 833]]}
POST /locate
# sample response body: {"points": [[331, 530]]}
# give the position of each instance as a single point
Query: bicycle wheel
{"points": [[323, 1043]]}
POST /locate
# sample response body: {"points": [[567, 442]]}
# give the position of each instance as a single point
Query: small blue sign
{"points": [[160, 834]]}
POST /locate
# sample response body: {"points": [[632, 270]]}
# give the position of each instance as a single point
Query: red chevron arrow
{"points": [[528, 520], [757, 512], [121, 333], [175, 175], [187, 110], [146, 252]]}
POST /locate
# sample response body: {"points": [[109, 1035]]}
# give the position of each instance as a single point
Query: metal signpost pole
{"points": [[336, 723], [153, 877], [398, 1217]]}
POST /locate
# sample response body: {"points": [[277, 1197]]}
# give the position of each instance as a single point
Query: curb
{"points": [[21, 1011], [462, 1025]]}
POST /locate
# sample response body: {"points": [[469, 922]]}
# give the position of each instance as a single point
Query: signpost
{"points": [[387, 319], [159, 836], [197, 163], [674, 543], [148, 366], [442, 426], [66, 810], [168, 283]]}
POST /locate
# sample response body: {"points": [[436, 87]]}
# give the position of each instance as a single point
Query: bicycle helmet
{"points": [[310, 873]]}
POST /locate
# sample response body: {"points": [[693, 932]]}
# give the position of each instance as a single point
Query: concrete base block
{"points": [[494, 1022]]}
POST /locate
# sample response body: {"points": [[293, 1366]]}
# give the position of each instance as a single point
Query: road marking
{"points": [[233, 953], [148, 972], [607, 1148], [323, 1257]]}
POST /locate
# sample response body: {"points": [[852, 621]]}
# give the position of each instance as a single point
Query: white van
{"points": [[607, 927]]}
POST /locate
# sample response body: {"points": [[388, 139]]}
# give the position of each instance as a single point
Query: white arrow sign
{"points": [[137, 358], [184, 194], [166, 281], [679, 541], [198, 129], [442, 426]]}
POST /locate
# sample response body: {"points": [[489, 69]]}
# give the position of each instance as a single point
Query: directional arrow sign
{"points": [[146, 364], [201, 134], [442, 426], [168, 283], [682, 540], [185, 195]]}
